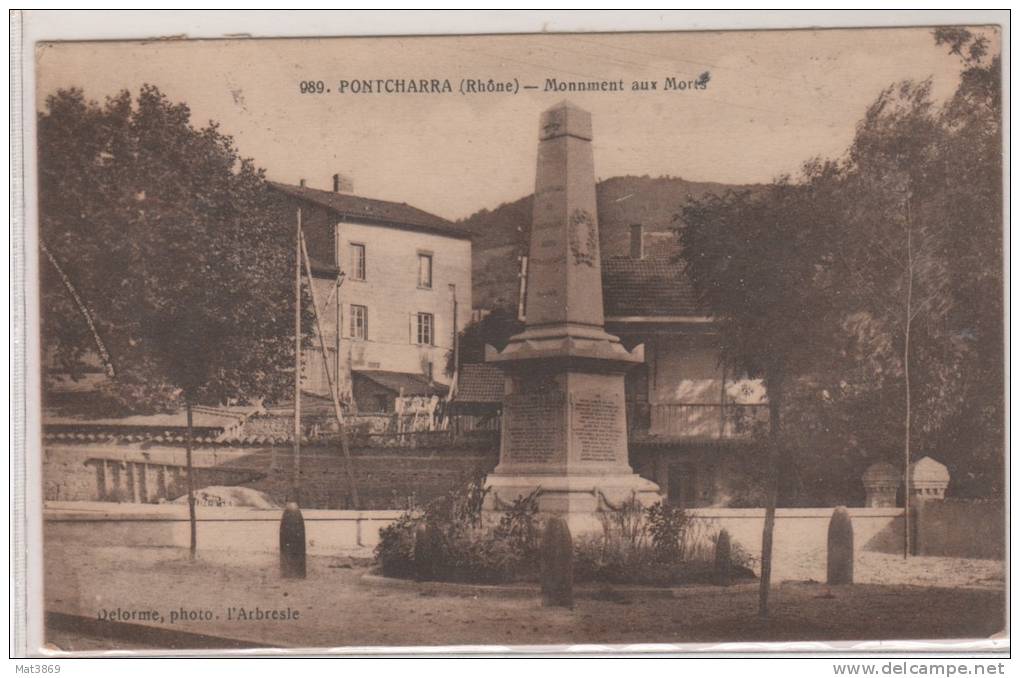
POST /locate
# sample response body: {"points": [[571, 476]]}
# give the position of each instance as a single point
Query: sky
{"points": [[774, 99]]}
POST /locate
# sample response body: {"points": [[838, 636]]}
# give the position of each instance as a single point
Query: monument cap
{"points": [[565, 120]]}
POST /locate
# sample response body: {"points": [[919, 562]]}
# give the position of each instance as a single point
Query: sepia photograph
{"points": [[669, 339]]}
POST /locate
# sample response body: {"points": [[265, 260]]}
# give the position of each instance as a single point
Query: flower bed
{"points": [[446, 540]]}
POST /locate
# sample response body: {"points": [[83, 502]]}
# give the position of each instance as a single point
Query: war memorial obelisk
{"points": [[564, 428]]}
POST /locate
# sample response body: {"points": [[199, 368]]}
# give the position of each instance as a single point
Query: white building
{"points": [[396, 281]]}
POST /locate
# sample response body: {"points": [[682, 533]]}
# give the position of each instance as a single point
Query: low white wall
{"points": [[799, 541], [219, 528], [801, 534]]}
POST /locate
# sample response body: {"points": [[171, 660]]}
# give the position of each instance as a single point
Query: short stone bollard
{"points": [[723, 574], [292, 542], [425, 551], [557, 564], [840, 565]]}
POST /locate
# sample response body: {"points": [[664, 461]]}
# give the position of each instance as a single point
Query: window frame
{"points": [[363, 312], [424, 255], [361, 258], [420, 326]]}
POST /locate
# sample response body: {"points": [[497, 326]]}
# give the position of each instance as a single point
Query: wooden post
{"points": [[297, 360], [192, 520], [775, 399]]}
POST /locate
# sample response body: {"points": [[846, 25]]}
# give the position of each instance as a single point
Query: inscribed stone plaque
{"points": [[598, 424], [534, 428]]}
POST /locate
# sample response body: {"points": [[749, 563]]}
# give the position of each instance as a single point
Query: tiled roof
{"points": [[412, 384], [479, 383], [652, 286], [396, 214], [209, 425]]}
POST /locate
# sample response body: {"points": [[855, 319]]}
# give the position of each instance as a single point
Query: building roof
{"points": [[479, 383], [651, 286], [321, 269], [395, 214], [209, 424], [412, 384]]}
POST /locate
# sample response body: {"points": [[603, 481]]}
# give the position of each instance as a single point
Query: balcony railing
{"points": [[695, 420]]}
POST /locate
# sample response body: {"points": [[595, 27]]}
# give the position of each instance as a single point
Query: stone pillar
{"points": [[881, 482], [133, 482], [144, 482], [107, 480], [564, 427], [928, 479], [162, 482], [117, 482]]}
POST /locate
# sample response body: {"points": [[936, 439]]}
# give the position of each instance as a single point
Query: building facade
{"points": [[690, 423], [392, 287]]}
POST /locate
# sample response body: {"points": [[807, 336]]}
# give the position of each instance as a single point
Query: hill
{"points": [[501, 235]]}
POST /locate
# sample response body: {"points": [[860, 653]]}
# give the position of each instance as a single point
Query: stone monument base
{"points": [[578, 499]]}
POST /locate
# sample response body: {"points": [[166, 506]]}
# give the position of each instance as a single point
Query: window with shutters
{"points": [[425, 329], [359, 322]]}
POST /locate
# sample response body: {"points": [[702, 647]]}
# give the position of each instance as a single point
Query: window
{"points": [[425, 271], [359, 322], [357, 261], [425, 329]]}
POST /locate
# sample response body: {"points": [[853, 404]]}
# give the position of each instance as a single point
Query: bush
{"points": [[395, 550], [670, 528], [460, 548], [653, 546], [517, 526]]}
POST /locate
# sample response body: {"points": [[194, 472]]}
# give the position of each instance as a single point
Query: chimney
{"points": [[342, 184], [301, 183]]}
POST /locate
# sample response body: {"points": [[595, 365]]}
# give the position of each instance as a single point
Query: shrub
{"points": [[517, 526], [395, 550], [452, 545], [669, 527], [652, 546]]}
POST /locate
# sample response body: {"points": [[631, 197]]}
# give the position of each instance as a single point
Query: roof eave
{"points": [[681, 319]]}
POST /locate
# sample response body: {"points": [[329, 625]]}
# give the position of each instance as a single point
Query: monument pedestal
{"points": [[579, 499], [564, 433], [564, 436]]}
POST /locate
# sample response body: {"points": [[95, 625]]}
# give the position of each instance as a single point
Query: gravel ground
{"points": [[336, 607], [885, 568]]}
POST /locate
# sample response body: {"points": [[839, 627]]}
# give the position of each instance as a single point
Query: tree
{"points": [[868, 296], [175, 246], [763, 263], [973, 438], [494, 329], [895, 213], [923, 234]]}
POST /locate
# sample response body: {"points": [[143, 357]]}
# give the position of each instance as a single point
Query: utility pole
{"points": [[337, 410], [292, 524], [297, 358]]}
